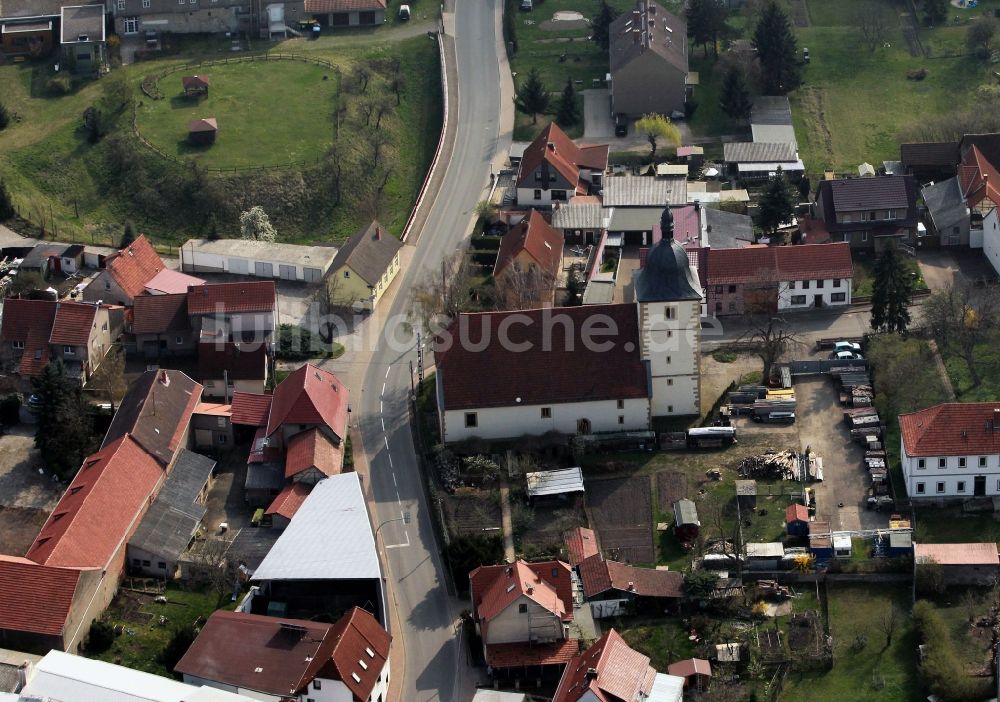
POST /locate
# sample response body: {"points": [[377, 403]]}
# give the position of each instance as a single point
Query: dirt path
{"points": [[506, 522]]}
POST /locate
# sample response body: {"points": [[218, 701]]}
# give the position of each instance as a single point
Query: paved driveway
{"points": [[597, 120], [939, 268]]}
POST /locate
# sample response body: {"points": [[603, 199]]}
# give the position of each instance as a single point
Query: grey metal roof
{"points": [[727, 230], [685, 512], [39, 256], [317, 256], [599, 292], [754, 151], [771, 109], [588, 215], [774, 133], [644, 191], [369, 252], [172, 519], [517, 148], [945, 203], [554, 482], [265, 476], [329, 538], [772, 549], [633, 219]]}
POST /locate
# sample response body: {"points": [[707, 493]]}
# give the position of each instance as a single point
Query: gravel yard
{"points": [[26, 497]]}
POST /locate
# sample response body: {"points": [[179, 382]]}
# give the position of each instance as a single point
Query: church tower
{"points": [[668, 301]]}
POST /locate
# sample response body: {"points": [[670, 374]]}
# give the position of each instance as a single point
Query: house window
{"points": [[471, 420], [668, 359], [805, 284], [161, 565], [146, 4], [942, 463], [559, 195], [798, 299], [69, 350], [178, 339], [317, 685], [871, 216], [670, 312], [819, 284], [19, 345], [718, 289], [732, 288], [961, 462], [522, 608], [961, 486], [670, 409], [136, 562], [891, 214], [621, 418], [223, 439], [538, 195], [836, 282], [538, 176], [864, 236], [621, 404], [121, 4], [347, 274], [791, 286], [732, 306], [718, 306], [670, 381], [940, 487], [982, 461], [920, 488], [838, 297], [546, 413], [146, 564], [921, 463], [220, 422]]}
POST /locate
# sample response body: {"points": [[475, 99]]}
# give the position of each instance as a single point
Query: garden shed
{"points": [[797, 520], [686, 524], [554, 483], [746, 494], [900, 544], [203, 131], [195, 85]]}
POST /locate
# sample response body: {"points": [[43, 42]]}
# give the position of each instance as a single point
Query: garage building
{"points": [[257, 258]]}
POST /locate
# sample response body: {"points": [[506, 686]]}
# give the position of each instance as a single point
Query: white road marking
{"points": [[383, 423], [387, 371], [380, 408], [383, 388], [394, 481], [386, 439], [401, 545]]}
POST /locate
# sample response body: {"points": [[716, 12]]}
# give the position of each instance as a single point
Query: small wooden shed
{"points": [[202, 132], [686, 524], [697, 673], [195, 85], [746, 494], [797, 520]]}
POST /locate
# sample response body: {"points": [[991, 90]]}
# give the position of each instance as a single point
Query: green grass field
{"points": [[269, 113], [864, 276], [859, 609], [988, 364]]}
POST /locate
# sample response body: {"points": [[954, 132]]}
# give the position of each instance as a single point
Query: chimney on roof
{"points": [[529, 589], [378, 233], [164, 379], [643, 254], [552, 146], [591, 674], [631, 586]]}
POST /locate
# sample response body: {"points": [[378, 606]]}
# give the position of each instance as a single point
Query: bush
{"points": [[102, 635], [10, 410], [60, 84], [721, 356], [916, 74], [178, 645], [466, 553], [942, 671]]}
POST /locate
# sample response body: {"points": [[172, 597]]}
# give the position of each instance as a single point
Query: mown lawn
{"points": [[864, 276], [987, 357], [854, 610], [269, 112]]}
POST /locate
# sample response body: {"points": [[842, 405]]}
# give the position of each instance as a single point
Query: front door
{"points": [[818, 300], [979, 486], [583, 426]]}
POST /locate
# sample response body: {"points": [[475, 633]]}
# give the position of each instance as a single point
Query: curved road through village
{"points": [[435, 660]]}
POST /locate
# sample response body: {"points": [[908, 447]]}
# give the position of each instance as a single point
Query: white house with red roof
{"points": [[522, 613], [528, 263], [34, 332], [125, 274], [553, 169], [951, 451], [611, 671]]}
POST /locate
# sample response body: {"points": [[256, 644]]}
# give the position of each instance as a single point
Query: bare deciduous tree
{"points": [[332, 305], [890, 622], [872, 22], [769, 337], [521, 289], [444, 294], [109, 377], [961, 318]]}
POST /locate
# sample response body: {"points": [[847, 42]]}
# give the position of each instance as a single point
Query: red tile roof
{"points": [[548, 583], [324, 6], [311, 396], [171, 282], [517, 655], [35, 598], [564, 156], [100, 508], [232, 298], [194, 82], [243, 361], [536, 237], [30, 322], [796, 513], [359, 637], [134, 266], [251, 409], [581, 543], [952, 429], [689, 667], [313, 449], [979, 179], [73, 323], [288, 501], [158, 314], [621, 673], [546, 372], [957, 554], [773, 264], [599, 575]]}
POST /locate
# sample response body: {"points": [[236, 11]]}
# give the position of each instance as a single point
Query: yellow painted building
{"points": [[364, 268]]}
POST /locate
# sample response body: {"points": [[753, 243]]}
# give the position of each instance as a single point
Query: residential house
{"points": [[581, 543], [948, 215], [194, 17], [72, 259], [951, 451], [82, 37], [258, 259], [125, 274], [753, 161], [364, 268], [528, 263], [212, 425], [338, 14], [868, 213], [580, 220], [35, 332], [553, 169], [611, 671], [225, 368], [980, 184], [614, 588], [762, 279], [282, 659], [649, 61], [697, 673], [161, 326], [325, 560], [930, 161], [169, 526], [522, 613], [245, 312], [961, 564], [771, 121], [61, 676], [27, 27]]}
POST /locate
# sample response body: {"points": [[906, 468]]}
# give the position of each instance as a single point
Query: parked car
{"points": [[846, 356], [526, 5], [847, 346], [621, 125], [404, 12], [805, 54]]}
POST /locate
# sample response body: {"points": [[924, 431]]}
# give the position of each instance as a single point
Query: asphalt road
{"points": [[435, 659]]}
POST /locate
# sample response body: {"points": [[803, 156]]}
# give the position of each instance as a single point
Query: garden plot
{"points": [[621, 512]]}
